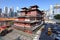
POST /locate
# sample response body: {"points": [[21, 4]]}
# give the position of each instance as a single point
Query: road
{"points": [[44, 35]]}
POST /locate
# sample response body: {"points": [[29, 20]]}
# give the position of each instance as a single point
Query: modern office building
{"points": [[0, 12], [54, 9], [17, 11], [15, 14], [5, 11], [11, 12], [30, 19]]}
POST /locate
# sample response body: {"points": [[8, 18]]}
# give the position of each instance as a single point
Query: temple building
{"points": [[5, 22], [30, 19]]}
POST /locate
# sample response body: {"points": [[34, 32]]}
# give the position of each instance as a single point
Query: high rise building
{"points": [[17, 8], [18, 11], [15, 14], [0, 12], [6, 11], [11, 12], [54, 9]]}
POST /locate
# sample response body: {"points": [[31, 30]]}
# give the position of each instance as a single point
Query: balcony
{"points": [[28, 27], [36, 26], [23, 27], [29, 15], [18, 27], [28, 21]]}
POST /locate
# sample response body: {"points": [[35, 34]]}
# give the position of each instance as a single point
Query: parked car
{"points": [[4, 30], [58, 37]]}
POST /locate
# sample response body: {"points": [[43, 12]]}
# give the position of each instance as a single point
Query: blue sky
{"points": [[43, 4]]}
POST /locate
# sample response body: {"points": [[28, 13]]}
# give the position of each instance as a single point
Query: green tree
{"points": [[57, 16]]}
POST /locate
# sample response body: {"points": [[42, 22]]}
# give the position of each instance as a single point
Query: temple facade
{"points": [[30, 19]]}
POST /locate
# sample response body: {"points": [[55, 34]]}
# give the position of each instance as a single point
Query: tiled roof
{"points": [[6, 19]]}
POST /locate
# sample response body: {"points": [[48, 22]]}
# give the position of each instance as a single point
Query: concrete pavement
{"points": [[38, 33]]}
